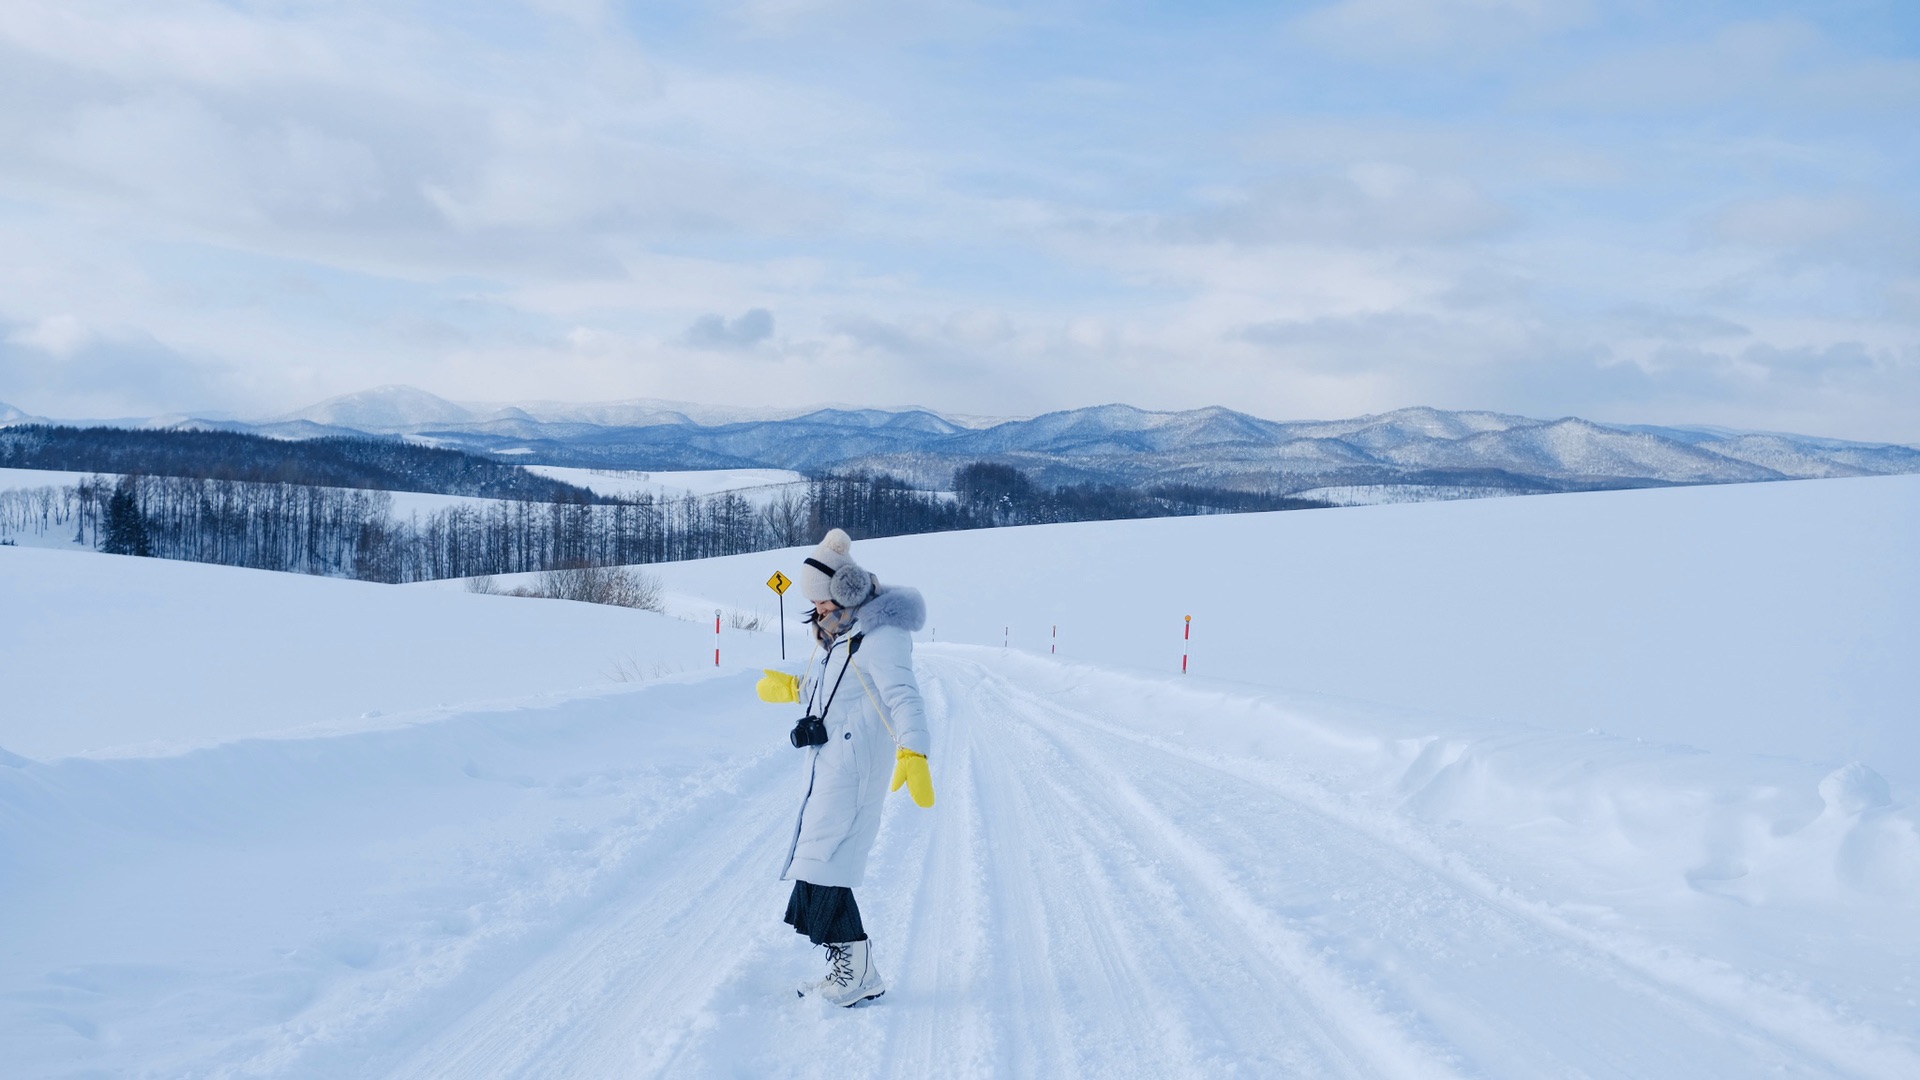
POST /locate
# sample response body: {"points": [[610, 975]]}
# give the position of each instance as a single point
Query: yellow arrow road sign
{"points": [[779, 583]]}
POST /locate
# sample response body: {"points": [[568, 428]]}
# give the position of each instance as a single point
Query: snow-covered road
{"points": [[1092, 896]]}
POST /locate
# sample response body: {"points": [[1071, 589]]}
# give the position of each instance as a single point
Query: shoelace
{"points": [[842, 961]]}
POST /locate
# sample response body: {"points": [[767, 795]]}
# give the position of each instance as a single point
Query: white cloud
{"points": [[879, 22], [1456, 28], [422, 154], [202, 43], [1370, 203], [61, 368], [1903, 299], [992, 210], [58, 335], [1852, 228], [1650, 322], [1785, 64]]}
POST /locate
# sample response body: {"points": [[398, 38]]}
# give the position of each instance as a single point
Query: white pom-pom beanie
{"points": [[831, 574]]}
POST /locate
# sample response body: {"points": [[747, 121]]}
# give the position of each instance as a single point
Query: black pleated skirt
{"points": [[824, 913]]}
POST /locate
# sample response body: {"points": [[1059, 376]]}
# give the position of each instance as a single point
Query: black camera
{"points": [[809, 731]]}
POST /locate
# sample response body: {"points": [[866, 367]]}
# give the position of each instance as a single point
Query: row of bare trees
{"points": [[516, 537], [37, 511], [353, 533]]}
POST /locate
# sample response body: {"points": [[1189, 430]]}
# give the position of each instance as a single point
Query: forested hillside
{"points": [[341, 462]]}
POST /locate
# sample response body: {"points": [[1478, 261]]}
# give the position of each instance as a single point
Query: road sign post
{"points": [[779, 583]]}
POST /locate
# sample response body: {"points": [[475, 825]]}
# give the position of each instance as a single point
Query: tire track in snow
{"points": [[922, 903], [1623, 1000], [621, 993], [1077, 999], [1035, 926], [1207, 952], [942, 989], [1089, 901], [1025, 933]]}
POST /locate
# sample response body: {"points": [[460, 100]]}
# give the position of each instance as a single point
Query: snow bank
{"points": [[113, 654], [1609, 812], [265, 903]]}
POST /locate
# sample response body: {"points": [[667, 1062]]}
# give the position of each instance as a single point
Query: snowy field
{"points": [[1607, 785], [758, 486], [1773, 618], [19, 479]]}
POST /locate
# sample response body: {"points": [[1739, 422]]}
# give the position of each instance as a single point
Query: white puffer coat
{"points": [[846, 780]]}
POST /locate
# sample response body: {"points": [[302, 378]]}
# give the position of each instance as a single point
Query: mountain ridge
{"points": [[398, 409], [1418, 448]]}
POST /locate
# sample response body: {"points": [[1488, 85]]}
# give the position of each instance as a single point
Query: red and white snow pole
{"points": [[1055, 647], [716, 637], [1185, 635]]}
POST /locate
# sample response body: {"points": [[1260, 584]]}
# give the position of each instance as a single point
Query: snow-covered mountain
{"points": [[383, 409], [1575, 449], [402, 410], [1421, 448]]}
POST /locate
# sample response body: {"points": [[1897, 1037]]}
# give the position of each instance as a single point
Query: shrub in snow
{"points": [[620, 586]]}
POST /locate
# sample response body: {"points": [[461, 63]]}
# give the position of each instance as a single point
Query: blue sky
{"points": [[1631, 212]]}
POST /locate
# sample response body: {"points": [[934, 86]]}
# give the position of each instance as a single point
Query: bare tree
{"points": [[786, 518]]}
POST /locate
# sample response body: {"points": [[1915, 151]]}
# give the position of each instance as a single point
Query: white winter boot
{"points": [[818, 987], [851, 976]]}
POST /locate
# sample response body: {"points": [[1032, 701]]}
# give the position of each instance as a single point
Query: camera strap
{"points": [[853, 646]]}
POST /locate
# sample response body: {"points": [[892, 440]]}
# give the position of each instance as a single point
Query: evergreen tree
{"points": [[125, 529], [995, 494]]}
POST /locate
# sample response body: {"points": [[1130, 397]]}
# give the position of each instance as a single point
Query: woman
{"points": [[870, 723]]}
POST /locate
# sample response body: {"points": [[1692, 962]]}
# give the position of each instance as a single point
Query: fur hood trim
{"points": [[894, 605]]}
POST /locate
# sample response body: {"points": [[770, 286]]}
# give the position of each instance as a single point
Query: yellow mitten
{"points": [[911, 769], [778, 686]]}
